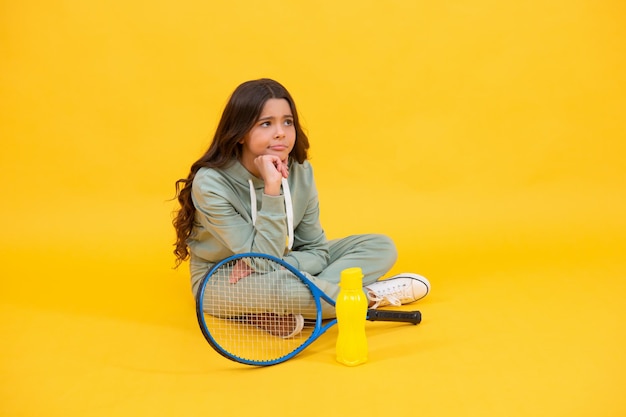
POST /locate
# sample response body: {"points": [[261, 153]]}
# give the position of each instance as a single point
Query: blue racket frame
{"points": [[318, 295]]}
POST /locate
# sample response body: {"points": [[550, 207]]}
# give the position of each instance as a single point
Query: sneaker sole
{"points": [[299, 326]]}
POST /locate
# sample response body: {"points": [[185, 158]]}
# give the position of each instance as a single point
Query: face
{"points": [[273, 133]]}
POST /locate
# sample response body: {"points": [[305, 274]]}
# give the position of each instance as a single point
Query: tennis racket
{"points": [[257, 309]]}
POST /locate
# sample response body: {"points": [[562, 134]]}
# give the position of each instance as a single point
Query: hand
{"points": [[240, 270], [272, 170]]}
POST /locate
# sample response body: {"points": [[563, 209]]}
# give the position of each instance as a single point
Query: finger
{"points": [[284, 171], [236, 273], [234, 278], [240, 270]]}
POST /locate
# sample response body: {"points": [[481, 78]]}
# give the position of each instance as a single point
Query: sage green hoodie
{"points": [[225, 224]]}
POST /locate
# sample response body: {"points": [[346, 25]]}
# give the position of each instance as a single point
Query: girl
{"points": [[237, 198]]}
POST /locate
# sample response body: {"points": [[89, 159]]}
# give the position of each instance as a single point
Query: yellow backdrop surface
{"points": [[487, 138]]}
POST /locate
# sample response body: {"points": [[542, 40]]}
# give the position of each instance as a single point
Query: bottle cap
{"points": [[351, 279]]}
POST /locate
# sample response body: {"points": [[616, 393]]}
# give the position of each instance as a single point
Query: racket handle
{"points": [[414, 317]]}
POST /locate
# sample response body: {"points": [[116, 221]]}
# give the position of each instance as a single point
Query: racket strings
{"points": [[281, 325], [264, 316]]}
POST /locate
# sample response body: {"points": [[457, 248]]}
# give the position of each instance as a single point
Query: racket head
{"points": [[250, 321]]}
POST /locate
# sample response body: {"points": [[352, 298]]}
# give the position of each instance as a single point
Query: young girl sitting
{"points": [[254, 191]]}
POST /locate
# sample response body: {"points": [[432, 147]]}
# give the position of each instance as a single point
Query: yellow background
{"points": [[486, 137]]}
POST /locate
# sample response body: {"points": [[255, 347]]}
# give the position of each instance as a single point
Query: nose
{"points": [[280, 131]]}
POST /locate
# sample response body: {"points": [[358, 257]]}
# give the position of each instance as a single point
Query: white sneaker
{"points": [[400, 289]]}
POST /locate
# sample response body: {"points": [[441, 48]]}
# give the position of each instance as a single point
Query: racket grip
{"points": [[414, 317]]}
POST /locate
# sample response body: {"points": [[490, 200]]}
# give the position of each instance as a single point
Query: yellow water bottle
{"points": [[351, 309]]}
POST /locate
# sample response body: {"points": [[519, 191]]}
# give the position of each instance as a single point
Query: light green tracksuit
{"points": [[224, 226]]}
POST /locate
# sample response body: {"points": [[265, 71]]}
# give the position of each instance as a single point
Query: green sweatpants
{"points": [[375, 254]]}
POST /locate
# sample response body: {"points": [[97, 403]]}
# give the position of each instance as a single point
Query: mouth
{"points": [[278, 148]]}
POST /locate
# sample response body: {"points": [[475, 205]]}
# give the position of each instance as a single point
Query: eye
{"points": [[289, 122], [264, 124]]}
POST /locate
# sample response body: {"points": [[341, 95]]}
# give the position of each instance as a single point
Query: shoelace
{"points": [[392, 295], [392, 300]]}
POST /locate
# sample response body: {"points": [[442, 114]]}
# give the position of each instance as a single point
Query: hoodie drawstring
{"points": [[289, 210]]}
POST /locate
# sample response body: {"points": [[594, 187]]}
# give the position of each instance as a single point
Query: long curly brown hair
{"points": [[240, 114]]}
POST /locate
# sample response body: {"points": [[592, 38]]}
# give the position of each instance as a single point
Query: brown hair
{"points": [[240, 114]]}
